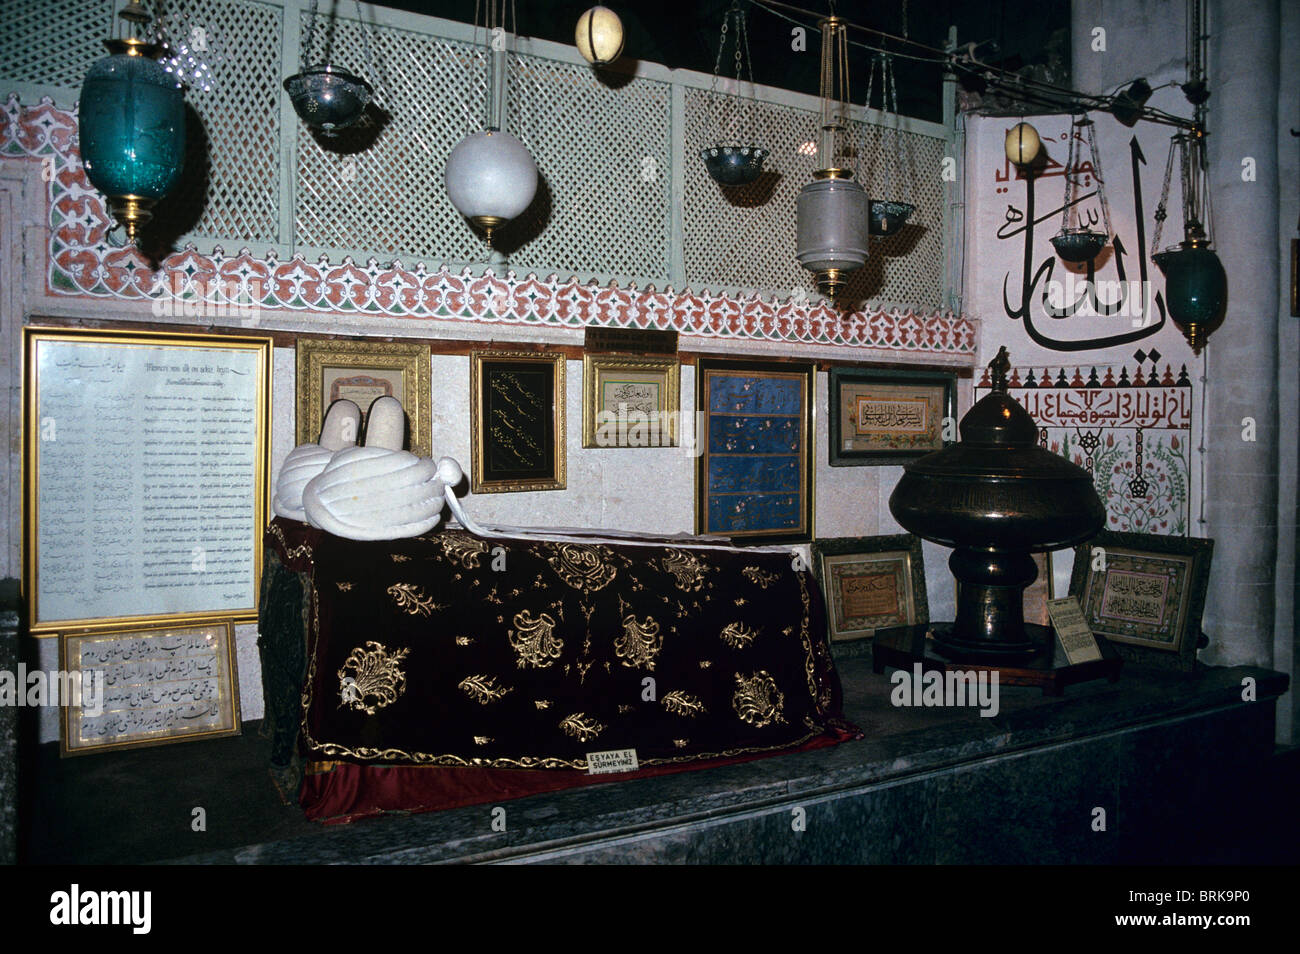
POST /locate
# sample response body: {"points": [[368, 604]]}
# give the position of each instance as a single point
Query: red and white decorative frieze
{"points": [[83, 263]]}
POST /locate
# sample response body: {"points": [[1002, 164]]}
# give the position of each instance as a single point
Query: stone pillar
{"points": [[1286, 641], [1241, 475]]}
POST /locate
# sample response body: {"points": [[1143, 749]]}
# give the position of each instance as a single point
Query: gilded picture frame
{"points": [[517, 412], [754, 475], [362, 370], [871, 583], [157, 685], [882, 417], [146, 459], [1145, 593], [630, 400]]}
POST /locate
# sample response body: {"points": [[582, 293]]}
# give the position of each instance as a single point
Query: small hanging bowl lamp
{"points": [[1077, 243], [327, 98], [734, 158], [887, 216]]}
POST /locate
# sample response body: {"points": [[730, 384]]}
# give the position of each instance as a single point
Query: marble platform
{"points": [[1157, 768]]}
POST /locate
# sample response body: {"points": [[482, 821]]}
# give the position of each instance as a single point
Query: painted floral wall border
{"points": [[82, 263]]}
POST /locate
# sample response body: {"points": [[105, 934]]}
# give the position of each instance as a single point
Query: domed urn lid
{"points": [[998, 439]]}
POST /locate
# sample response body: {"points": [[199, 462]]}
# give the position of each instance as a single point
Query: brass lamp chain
{"points": [[727, 123], [305, 52], [891, 148], [365, 48], [1162, 208], [836, 91], [1096, 174]]}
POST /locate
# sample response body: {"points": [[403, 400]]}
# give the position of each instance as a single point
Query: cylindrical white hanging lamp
{"points": [[832, 231], [832, 211]]}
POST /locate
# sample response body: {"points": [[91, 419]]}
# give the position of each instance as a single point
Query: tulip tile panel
{"points": [[1130, 430]]}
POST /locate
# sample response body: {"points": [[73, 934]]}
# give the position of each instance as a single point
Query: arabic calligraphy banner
{"points": [[1115, 300]]}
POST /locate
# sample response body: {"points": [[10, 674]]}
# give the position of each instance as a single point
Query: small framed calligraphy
{"points": [[630, 400], [361, 371], [131, 688], [871, 583], [1145, 593], [887, 417], [517, 409]]}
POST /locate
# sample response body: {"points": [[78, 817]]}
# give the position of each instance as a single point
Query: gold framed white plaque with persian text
{"points": [[145, 467]]}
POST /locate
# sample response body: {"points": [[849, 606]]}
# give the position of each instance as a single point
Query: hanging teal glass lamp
{"points": [[1196, 286], [132, 125]]}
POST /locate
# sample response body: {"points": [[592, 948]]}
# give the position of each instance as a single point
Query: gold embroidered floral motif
{"points": [[581, 726], [640, 642], [737, 635], [683, 704], [463, 549], [681, 743], [464, 640], [409, 597], [757, 700], [482, 739], [399, 557], [624, 709], [344, 587], [371, 678], [686, 568], [761, 577], [706, 663], [583, 567], [483, 689], [542, 703], [534, 640], [741, 601]]}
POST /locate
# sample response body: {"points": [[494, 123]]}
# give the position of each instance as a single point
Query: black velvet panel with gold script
{"points": [[450, 650]]}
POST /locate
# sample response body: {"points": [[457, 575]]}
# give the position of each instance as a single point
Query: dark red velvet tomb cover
{"points": [[447, 670]]}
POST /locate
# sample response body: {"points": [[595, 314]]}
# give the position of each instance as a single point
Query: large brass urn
{"points": [[995, 497]]}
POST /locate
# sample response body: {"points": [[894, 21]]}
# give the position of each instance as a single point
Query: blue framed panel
{"points": [[754, 477]]}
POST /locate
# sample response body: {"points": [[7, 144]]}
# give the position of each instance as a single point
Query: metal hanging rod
{"points": [[1024, 87]]}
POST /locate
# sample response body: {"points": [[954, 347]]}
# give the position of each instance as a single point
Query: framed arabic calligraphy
{"points": [[871, 583], [141, 687], [1145, 592], [517, 409], [754, 476], [887, 417], [630, 400]]}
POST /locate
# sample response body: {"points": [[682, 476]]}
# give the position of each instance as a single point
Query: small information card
{"points": [[1072, 630], [615, 760]]}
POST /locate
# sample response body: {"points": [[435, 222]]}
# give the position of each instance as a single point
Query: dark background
{"points": [[684, 34]]}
